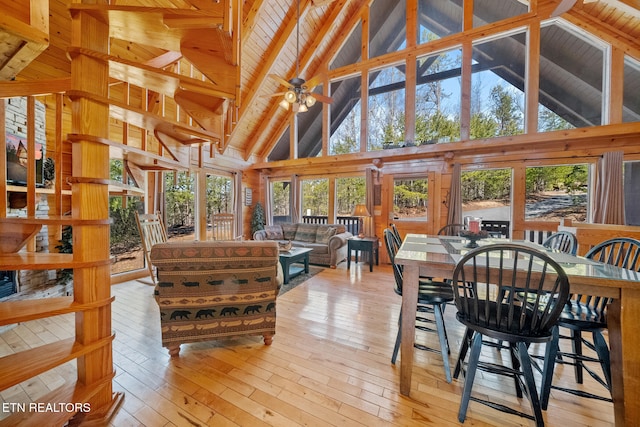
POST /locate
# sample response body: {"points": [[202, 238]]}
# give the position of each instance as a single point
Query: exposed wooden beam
{"points": [[12, 89]]}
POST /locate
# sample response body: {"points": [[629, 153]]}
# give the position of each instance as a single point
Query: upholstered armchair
{"points": [[215, 290]]}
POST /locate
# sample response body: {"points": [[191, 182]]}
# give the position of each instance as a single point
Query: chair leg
{"points": [[602, 350], [444, 345], [464, 347], [576, 345], [515, 364], [396, 347], [470, 375], [529, 382], [550, 354], [444, 328]]}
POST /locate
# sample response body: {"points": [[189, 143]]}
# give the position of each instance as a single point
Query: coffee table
{"points": [[290, 261]]}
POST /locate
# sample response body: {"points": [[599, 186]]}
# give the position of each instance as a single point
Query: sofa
{"points": [[216, 290], [328, 242]]}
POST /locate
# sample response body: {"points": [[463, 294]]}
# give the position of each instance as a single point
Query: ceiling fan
{"points": [[299, 94]]}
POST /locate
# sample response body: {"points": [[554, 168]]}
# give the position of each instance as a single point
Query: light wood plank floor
{"points": [[329, 365]]}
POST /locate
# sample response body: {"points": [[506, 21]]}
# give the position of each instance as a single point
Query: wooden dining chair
{"points": [[432, 298], [587, 314], [152, 231], [451, 230], [563, 241], [479, 279]]}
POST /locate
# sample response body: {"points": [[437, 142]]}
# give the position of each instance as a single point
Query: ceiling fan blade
{"points": [[272, 95], [322, 98], [314, 81], [280, 80]]}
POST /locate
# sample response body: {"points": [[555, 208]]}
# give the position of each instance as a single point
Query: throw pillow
{"points": [[323, 234], [306, 233], [289, 231], [273, 232]]}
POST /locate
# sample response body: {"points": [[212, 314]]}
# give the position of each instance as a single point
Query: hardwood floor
{"points": [[329, 365]]}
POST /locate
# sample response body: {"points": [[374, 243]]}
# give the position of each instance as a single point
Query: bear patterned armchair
{"points": [[215, 290]]}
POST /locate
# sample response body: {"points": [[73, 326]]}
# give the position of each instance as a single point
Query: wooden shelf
{"points": [[40, 359], [53, 220], [39, 190], [30, 309], [45, 261]]}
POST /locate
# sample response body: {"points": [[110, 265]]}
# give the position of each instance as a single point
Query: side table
{"points": [[364, 244]]}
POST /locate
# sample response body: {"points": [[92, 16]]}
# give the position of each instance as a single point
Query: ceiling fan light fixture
{"points": [[284, 104], [302, 108], [310, 101], [290, 96]]}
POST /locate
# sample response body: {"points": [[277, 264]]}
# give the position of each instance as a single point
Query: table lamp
{"points": [[361, 212]]}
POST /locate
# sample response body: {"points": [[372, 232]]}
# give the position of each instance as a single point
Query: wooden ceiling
{"points": [[225, 95]]}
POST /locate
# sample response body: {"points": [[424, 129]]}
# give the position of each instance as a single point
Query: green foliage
{"points": [[315, 196], [492, 184], [349, 192], [410, 195], [257, 218], [124, 232], [436, 127], [505, 111], [180, 200], [280, 198], [219, 197], [571, 178]]}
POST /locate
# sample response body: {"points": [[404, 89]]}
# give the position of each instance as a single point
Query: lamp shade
{"points": [[360, 211]]}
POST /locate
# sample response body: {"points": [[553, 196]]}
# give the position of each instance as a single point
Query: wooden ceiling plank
{"points": [[336, 9], [272, 56]]}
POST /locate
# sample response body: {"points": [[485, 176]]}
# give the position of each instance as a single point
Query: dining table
{"points": [[437, 256]]}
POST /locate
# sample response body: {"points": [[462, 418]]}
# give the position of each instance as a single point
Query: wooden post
{"points": [[90, 200]]}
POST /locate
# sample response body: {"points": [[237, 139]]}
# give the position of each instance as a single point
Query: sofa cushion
{"points": [[306, 232], [316, 248], [273, 232], [289, 231], [323, 234]]}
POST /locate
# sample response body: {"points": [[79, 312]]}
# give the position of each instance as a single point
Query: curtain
{"points": [[295, 199], [237, 211], [454, 215], [268, 205], [369, 223], [608, 195]]}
